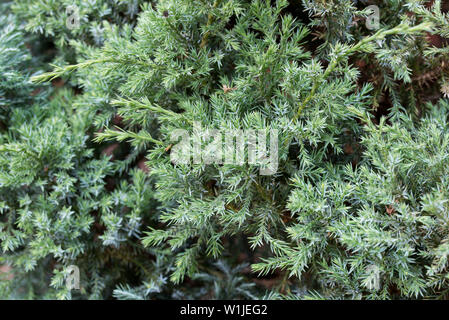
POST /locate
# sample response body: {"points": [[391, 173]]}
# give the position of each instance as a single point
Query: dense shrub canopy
{"points": [[357, 207]]}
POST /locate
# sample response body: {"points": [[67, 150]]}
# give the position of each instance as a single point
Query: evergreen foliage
{"points": [[357, 209], [57, 19]]}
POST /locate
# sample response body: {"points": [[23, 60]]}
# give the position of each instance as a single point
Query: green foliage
{"points": [[54, 195], [15, 87], [49, 17], [358, 207], [365, 231]]}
